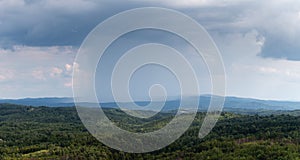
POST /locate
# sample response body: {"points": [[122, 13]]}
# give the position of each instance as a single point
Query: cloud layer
{"points": [[52, 22]]}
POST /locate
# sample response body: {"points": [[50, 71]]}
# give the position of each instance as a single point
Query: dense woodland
{"points": [[57, 133]]}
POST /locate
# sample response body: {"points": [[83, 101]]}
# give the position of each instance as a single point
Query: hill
{"points": [[57, 133]]}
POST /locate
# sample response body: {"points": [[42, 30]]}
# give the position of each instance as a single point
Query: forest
{"points": [[28, 132]]}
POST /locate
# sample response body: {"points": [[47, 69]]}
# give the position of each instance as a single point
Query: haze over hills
{"points": [[231, 103]]}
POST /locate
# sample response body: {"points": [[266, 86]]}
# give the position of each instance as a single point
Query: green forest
{"points": [[57, 133]]}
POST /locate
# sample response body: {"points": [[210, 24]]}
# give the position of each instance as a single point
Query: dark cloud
{"points": [[49, 22], [42, 23]]}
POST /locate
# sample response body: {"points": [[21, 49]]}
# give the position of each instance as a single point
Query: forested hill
{"points": [[57, 133]]}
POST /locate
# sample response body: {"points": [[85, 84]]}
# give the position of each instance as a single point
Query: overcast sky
{"points": [[258, 40]]}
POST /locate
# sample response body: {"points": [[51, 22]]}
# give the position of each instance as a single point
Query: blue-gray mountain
{"points": [[231, 103]]}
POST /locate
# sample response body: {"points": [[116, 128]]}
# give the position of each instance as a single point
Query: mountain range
{"points": [[231, 103]]}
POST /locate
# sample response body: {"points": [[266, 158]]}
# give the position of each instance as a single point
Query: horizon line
{"points": [[227, 96]]}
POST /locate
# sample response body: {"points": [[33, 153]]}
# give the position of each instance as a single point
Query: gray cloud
{"points": [[48, 23], [277, 23]]}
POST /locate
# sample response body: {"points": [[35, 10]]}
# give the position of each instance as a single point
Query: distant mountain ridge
{"points": [[47, 101], [231, 103]]}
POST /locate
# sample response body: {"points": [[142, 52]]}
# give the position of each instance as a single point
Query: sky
{"points": [[258, 41]]}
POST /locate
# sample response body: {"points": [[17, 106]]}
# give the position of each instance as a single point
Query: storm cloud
{"points": [[52, 22]]}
